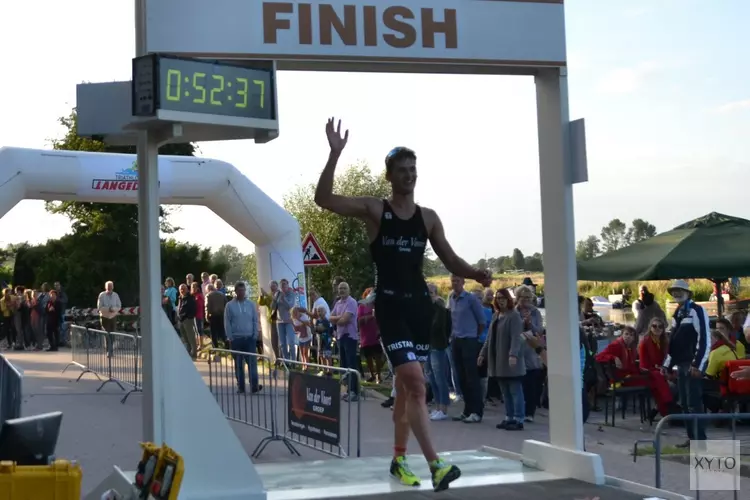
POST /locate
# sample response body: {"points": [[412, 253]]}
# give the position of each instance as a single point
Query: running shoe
{"points": [[400, 471], [443, 474]]}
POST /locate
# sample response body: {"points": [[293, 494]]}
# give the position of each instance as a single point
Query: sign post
{"points": [[312, 256]]}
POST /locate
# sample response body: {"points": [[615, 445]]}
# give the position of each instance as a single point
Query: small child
{"points": [[325, 336], [302, 326]]}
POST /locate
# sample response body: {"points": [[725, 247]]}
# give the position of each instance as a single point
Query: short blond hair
{"points": [[524, 290]]}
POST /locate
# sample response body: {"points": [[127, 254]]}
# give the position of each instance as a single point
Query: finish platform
{"points": [[485, 475], [558, 489]]}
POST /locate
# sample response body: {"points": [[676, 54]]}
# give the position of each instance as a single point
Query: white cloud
{"points": [[734, 106], [627, 80]]}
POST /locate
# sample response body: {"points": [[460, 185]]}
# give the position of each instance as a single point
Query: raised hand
{"points": [[335, 140], [484, 277]]}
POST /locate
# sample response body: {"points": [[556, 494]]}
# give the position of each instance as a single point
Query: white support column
{"points": [[563, 455], [149, 253]]}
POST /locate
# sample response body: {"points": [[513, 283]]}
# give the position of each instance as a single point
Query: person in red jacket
{"points": [[652, 351], [622, 352]]}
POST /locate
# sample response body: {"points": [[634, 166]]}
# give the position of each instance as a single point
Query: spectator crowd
{"points": [[486, 346]]}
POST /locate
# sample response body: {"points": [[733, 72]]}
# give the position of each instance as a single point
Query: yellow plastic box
{"points": [[59, 481]]}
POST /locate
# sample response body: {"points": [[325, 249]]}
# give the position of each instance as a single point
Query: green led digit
{"points": [[173, 88], [242, 92], [215, 90], [199, 87], [262, 85]]}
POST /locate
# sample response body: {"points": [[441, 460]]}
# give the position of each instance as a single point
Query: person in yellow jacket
{"points": [[722, 350], [266, 299], [8, 307]]}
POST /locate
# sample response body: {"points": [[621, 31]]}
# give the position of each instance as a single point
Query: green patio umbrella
{"points": [[715, 247]]}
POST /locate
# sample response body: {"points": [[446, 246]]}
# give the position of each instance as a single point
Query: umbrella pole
{"points": [[719, 297]]}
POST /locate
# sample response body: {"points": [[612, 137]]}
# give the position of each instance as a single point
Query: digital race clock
{"points": [[203, 87]]}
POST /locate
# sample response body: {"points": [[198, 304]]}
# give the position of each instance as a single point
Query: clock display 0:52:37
{"points": [[215, 89]]}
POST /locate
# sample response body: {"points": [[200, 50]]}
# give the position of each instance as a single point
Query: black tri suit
{"points": [[403, 308]]}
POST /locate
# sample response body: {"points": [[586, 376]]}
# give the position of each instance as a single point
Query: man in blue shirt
{"points": [[241, 328], [689, 346], [468, 321]]}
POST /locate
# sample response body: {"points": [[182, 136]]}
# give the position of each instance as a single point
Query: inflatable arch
{"points": [[183, 180]]}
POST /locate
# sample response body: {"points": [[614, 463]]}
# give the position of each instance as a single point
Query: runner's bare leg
{"points": [[401, 426], [411, 380]]}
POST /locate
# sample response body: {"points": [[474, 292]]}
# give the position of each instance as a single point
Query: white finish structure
{"points": [[176, 387], [510, 37], [442, 36], [183, 180]]}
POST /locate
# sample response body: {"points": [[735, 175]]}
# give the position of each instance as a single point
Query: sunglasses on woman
{"points": [[658, 326]]}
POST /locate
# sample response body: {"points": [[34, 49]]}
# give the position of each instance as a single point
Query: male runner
{"points": [[398, 230]]}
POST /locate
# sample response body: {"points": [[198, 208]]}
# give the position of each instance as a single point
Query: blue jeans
{"points": [[245, 344], [288, 341], [438, 376], [691, 399], [348, 359], [453, 375], [515, 408]]}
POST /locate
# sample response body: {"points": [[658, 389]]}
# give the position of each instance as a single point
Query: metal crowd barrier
{"points": [[11, 394], [265, 408], [114, 356], [693, 418], [257, 406]]}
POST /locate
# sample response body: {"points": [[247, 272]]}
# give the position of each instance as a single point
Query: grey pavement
{"points": [[98, 431]]}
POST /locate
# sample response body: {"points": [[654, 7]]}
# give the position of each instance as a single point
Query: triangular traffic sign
{"points": [[312, 255]]}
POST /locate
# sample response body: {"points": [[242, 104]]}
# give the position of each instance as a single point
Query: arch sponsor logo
{"points": [[124, 180]]}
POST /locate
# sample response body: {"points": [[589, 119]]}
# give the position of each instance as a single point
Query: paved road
{"points": [[98, 431]]}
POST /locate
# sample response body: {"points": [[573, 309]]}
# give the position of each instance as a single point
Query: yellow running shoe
{"points": [[400, 470], [443, 474]]}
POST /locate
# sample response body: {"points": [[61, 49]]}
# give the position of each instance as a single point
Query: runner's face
{"points": [[403, 176]]}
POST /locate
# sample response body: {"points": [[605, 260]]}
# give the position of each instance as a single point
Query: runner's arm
{"points": [[349, 206], [445, 252]]}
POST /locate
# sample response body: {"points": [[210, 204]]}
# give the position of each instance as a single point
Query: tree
{"points": [[518, 259], [614, 235], [343, 239], [587, 249], [77, 256], [534, 263], [432, 265], [230, 257], [179, 258], [250, 272], [640, 230]]}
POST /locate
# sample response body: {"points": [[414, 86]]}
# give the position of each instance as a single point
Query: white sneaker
{"points": [[438, 415], [472, 419], [529, 419]]}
